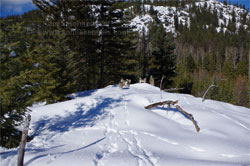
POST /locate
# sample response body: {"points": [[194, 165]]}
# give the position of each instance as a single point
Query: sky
{"points": [[242, 2], [15, 7]]}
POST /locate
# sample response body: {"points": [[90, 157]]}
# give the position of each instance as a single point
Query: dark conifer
{"points": [[164, 59]]}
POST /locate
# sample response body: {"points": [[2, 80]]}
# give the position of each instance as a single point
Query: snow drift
{"points": [[110, 127]]}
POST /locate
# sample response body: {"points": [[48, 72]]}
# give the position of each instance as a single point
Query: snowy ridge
{"points": [[110, 127], [166, 16]]}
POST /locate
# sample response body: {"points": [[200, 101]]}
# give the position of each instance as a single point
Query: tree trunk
{"points": [[161, 85], [102, 64], [23, 141]]}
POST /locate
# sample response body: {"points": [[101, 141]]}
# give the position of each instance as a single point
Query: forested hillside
{"points": [[70, 46]]}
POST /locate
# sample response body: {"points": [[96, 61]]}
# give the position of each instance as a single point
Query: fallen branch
{"points": [[168, 102], [190, 116], [173, 89]]}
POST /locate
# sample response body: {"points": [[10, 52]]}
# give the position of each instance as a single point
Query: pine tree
{"points": [[176, 22], [138, 7], [101, 43], [242, 68], [151, 10], [228, 69], [241, 95], [114, 43], [143, 53], [164, 59], [53, 74], [75, 19], [16, 82], [190, 63]]}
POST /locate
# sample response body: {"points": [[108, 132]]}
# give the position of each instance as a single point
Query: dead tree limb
{"points": [[190, 116], [212, 85], [168, 102], [161, 85], [173, 89], [23, 141]]}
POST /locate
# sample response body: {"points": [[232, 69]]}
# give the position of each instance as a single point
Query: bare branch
{"points": [[190, 117], [212, 85], [168, 102], [173, 89]]}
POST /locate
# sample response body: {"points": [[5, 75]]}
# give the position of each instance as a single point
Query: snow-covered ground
{"points": [[111, 127]]}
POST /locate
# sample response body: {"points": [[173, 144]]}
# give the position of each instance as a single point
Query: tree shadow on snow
{"points": [[62, 153], [82, 94], [175, 110], [82, 117], [15, 152]]}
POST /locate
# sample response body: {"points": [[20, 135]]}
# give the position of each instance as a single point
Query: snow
{"points": [[166, 15], [221, 22], [218, 29], [36, 65], [141, 22], [12, 54], [111, 127]]}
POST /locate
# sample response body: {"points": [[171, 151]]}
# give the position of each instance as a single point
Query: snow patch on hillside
{"points": [[140, 22], [166, 16]]}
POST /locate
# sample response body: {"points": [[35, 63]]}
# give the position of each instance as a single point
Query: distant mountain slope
{"points": [[110, 127], [167, 14]]}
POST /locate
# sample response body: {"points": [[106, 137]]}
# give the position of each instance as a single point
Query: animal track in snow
{"points": [[136, 149], [127, 114], [111, 145]]}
